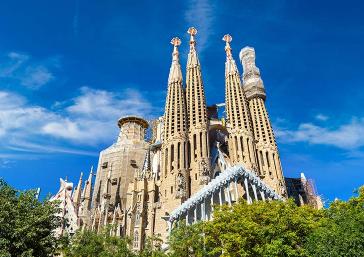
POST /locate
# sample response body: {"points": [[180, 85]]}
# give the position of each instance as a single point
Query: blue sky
{"points": [[69, 69]]}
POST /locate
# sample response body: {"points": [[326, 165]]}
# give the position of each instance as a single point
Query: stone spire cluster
{"points": [[198, 131], [194, 158]]}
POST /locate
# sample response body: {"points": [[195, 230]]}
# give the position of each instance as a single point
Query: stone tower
{"points": [[174, 175], [241, 139], [122, 159], [266, 148], [199, 150]]}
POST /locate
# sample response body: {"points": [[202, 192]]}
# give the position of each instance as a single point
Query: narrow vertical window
{"points": [[194, 147], [172, 156], [166, 162], [201, 144], [261, 157], [179, 155], [247, 141]]}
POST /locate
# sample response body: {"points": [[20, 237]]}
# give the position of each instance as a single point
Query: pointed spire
{"points": [[86, 193], [227, 38], [175, 73], [230, 65], [192, 31], [192, 60], [77, 192]]}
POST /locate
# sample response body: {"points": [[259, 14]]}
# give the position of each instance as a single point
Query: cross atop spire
{"points": [[192, 31], [227, 38]]}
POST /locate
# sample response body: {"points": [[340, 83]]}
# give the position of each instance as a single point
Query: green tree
{"points": [[152, 248], [274, 228], [26, 224], [342, 232], [89, 243], [187, 240]]}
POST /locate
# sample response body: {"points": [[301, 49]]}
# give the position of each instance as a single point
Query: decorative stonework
{"points": [[193, 154]]}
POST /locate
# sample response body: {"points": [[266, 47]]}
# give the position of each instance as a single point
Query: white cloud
{"points": [[26, 71], [200, 14], [36, 76], [348, 136], [321, 117], [93, 115], [88, 119]]}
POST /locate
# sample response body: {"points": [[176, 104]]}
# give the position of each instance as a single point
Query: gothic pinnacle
{"points": [[192, 31], [230, 65], [175, 73], [227, 38], [176, 42]]}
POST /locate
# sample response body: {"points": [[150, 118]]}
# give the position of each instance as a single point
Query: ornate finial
{"points": [[192, 31], [175, 42], [227, 38]]}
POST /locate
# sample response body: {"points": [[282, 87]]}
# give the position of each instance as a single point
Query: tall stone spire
{"points": [[174, 150], [199, 149], [241, 140], [87, 191], [266, 148], [76, 196]]}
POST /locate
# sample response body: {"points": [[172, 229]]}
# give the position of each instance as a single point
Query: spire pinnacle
{"points": [[176, 42], [227, 38], [192, 31], [175, 73]]}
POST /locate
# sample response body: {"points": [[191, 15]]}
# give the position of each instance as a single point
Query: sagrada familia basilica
{"points": [[194, 161]]}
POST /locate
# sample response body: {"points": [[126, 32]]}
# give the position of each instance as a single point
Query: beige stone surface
{"points": [[139, 183]]}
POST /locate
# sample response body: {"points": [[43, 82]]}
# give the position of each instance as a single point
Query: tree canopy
{"points": [[26, 224], [275, 228], [342, 231], [90, 243]]}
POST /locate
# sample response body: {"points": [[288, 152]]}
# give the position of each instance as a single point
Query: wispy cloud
{"points": [[28, 72], [200, 14], [321, 117], [86, 120], [93, 115], [348, 136]]}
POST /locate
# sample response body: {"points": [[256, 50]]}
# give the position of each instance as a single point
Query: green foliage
{"points": [[187, 240], [152, 248], [26, 224], [89, 243], [273, 228], [342, 232]]}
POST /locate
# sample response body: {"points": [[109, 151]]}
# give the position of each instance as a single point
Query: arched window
{"points": [[136, 239], [137, 218]]}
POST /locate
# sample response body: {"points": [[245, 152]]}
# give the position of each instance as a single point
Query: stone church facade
{"points": [[139, 183]]}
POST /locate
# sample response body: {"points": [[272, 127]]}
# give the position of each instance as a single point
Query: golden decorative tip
{"points": [[176, 41], [192, 31], [227, 38]]}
